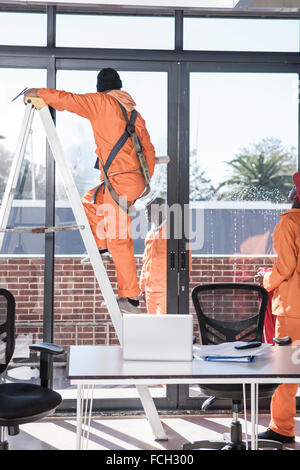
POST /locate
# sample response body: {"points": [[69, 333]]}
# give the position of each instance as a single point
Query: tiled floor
{"points": [[129, 432]]}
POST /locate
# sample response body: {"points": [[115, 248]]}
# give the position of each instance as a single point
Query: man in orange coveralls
{"points": [[110, 224], [153, 279], [284, 280]]}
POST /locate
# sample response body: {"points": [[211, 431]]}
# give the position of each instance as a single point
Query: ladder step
{"points": [[63, 228]]}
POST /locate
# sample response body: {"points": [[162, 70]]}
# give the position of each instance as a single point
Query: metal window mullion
{"points": [[51, 26], [120, 65], [179, 30], [48, 318], [172, 189], [24, 62], [184, 188], [152, 55]]}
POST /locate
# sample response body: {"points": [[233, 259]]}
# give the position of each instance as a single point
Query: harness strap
{"points": [[122, 140], [129, 132], [122, 202], [112, 174], [138, 148], [96, 192]]}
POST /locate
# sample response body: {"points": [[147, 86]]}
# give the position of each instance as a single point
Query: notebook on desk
{"points": [[157, 337]]}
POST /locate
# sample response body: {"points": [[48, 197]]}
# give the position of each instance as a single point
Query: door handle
{"points": [[183, 264], [172, 260]]}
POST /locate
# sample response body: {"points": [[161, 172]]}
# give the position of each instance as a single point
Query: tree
{"points": [[24, 186], [158, 183], [201, 188], [261, 172]]}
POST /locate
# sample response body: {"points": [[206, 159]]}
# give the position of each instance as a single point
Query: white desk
{"points": [[103, 365]]}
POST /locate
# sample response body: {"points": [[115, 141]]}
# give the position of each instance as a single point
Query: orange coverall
{"points": [[111, 226], [284, 279], [153, 278]]}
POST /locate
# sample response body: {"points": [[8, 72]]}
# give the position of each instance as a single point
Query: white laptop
{"points": [[149, 337]]}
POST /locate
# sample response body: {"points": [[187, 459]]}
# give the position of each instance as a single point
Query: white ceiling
{"points": [[241, 5], [180, 4]]}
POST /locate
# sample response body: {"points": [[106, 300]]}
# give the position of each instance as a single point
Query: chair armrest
{"points": [[48, 348], [284, 341]]}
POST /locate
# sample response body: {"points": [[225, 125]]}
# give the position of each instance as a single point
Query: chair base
{"points": [[15, 422], [232, 441], [4, 445], [222, 445]]}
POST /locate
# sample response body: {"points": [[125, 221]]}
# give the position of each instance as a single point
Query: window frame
{"points": [[179, 63]]}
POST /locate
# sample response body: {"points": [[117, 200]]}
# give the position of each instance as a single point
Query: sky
{"points": [[232, 111]]}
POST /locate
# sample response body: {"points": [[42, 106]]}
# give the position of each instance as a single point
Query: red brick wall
{"points": [[79, 316]]}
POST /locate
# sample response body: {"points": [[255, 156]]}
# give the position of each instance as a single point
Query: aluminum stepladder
{"points": [[34, 104]]}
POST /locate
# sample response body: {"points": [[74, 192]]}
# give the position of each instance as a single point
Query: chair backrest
{"points": [[7, 328], [230, 311]]}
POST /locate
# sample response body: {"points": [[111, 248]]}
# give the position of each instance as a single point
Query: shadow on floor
{"points": [[129, 432]]}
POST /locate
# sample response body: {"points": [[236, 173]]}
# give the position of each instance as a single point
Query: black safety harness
{"points": [[129, 132]]}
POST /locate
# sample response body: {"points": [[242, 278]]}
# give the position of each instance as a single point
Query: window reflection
{"points": [[23, 29], [28, 205], [245, 34], [243, 141], [123, 32], [79, 142]]}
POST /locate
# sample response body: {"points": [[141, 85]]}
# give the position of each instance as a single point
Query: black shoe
{"points": [[270, 435], [103, 252]]}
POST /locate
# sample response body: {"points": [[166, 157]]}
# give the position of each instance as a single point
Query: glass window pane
{"points": [[21, 255], [241, 124], [29, 201], [23, 29], [79, 142], [123, 32], [229, 34], [243, 153]]}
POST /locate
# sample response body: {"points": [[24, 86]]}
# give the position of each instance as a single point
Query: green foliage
{"points": [[201, 188], [24, 186], [262, 172]]}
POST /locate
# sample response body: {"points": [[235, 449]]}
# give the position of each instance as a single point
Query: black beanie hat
{"points": [[108, 79]]}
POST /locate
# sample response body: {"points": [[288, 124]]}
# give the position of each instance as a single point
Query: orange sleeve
{"points": [[286, 249], [86, 105], [148, 150]]}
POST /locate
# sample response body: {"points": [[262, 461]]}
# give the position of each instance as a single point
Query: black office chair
{"points": [[22, 403], [230, 312]]}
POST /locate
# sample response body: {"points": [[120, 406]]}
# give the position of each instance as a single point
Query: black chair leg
{"points": [[234, 440], [13, 430]]}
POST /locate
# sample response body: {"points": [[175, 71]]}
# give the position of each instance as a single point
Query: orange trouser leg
{"points": [[283, 405], [96, 221], [111, 227], [156, 302]]}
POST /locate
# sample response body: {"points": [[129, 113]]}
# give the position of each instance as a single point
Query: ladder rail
{"points": [[33, 104], [81, 219], [15, 170]]}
